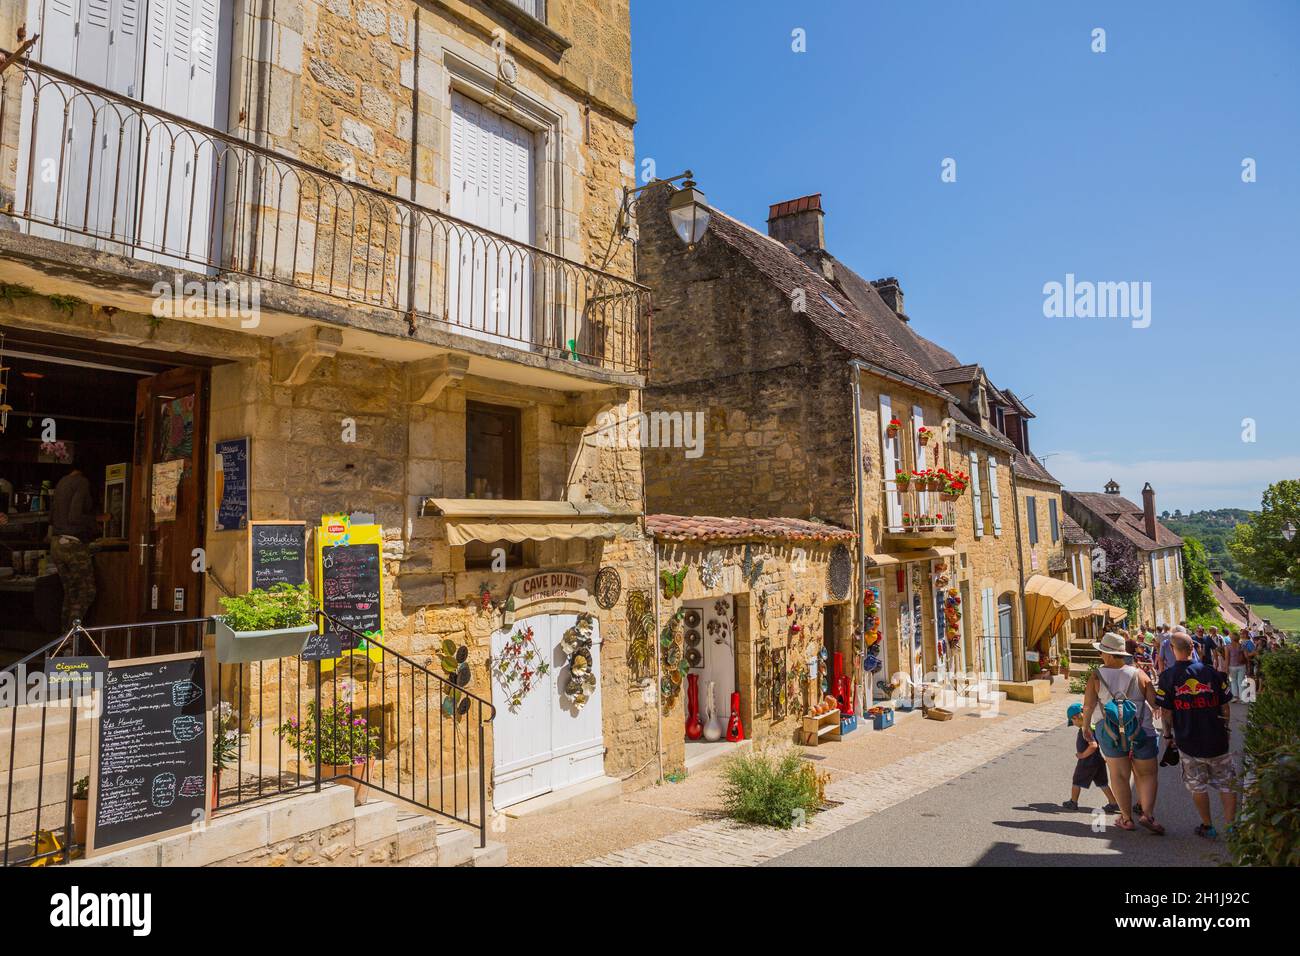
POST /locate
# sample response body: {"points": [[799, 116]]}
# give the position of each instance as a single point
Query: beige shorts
{"points": [[1201, 774]]}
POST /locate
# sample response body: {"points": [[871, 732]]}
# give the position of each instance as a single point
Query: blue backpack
{"points": [[1120, 719]]}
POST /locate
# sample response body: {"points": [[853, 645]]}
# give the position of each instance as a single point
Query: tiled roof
{"points": [[1017, 403], [1027, 466], [704, 528], [1073, 532], [802, 204], [951, 376], [1232, 607], [841, 319], [1126, 519]]}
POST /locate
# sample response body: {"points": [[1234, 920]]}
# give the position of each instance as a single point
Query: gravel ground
{"points": [[567, 837]]}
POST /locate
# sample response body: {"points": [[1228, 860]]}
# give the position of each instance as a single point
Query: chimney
{"points": [[892, 293], [1217, 574], [798, 223], [1149, 511], [1112, 487]]}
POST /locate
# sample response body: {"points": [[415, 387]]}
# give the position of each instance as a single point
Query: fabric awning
{"points": [[477, 519], [1049, 603], [903, 557], [1113, 614]]}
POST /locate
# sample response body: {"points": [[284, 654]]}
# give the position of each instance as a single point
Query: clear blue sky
{"points": [[1115, 166]]}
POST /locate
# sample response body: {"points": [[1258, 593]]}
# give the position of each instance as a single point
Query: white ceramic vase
{"points": [[713, 726]]}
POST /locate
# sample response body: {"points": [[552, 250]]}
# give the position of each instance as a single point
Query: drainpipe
{"points": [[1020, 561], [860, 483], [659, 704]]}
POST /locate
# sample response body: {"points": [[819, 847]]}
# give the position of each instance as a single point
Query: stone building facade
{"points": [[420, 198]]}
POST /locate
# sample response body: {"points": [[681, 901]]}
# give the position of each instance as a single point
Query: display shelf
{"points": [[821, 727]]}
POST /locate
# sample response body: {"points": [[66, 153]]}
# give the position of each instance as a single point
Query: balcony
{"points": [[911, 515], [98, 170]]}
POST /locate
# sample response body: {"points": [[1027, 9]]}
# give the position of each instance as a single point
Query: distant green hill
{"points": [[1213, 529]]}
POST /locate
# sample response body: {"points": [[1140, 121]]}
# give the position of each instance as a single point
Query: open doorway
{"points": [[103, 464]]}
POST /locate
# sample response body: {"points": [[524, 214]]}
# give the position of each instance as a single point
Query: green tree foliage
{"points": [[1267, 831], [1198, 586], [1259, 547]]}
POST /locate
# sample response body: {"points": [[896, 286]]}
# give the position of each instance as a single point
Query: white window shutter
{"points": [[890, 463], [918, 422], [977, 505], [1155, 572], [993, 497]]}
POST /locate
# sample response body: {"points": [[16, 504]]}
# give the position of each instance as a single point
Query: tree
{"points": [[1198, 585], [1259, 546], [1117, 575]]}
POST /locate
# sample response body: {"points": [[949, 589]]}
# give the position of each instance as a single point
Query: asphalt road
{"points": [[1009, 813]]}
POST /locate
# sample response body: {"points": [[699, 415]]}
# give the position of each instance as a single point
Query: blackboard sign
{"points": [[350, 589], [230, 462], [151, 763], [277, 553]]}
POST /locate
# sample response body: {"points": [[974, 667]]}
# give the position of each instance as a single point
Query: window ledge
{"points": [[528, 26]]}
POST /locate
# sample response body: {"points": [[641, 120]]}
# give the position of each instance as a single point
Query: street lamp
{"points": [[1288, 532], [689, 212]]}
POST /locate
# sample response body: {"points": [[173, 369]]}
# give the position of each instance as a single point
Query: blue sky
{"points": [[1117, 166]]}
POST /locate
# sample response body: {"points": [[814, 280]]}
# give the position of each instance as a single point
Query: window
{"points": [[831, 302], [492, 455], [535, 8], [1031, 513], [1052, 517]]}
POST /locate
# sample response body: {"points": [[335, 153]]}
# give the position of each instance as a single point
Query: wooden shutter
{"points": [[1053, 518], [1031, 510], [918, 450], [1155, 571], [890, 463], [977, 505], [995, 500]]}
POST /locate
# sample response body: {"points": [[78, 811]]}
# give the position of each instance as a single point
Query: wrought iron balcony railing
{"points": [[913, 511], [92, 167]]}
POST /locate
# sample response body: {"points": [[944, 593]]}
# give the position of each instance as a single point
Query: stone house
{"points": [[373, 237], [1109, 515]]}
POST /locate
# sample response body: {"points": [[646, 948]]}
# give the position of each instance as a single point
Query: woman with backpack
{"points": [[1125, 731]]}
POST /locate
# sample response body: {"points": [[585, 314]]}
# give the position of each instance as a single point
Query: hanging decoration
{"points": [[454, 659], [720, 626], [762, 677], [751, 569], [576, 643], [485, 599], [673, 663], [672, 581], [711, 570], [779, 688], [641, 636], [519, 665], [952, 617], [608, 587], [839, 573]]}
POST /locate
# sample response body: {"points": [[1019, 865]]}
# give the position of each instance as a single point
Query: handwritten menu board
{"points": [[230, 462], [349, 578], [277, 553], [151, 759]]}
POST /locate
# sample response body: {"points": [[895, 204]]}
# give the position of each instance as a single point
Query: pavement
{"points": [[1008, 812]]}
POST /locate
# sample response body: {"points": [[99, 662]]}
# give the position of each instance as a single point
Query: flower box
{"points": [[242, 647]]}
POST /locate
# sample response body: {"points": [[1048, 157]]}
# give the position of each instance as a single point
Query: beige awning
{"points": [[903, 557], [1113, 613], [477, 519], [1049, 603]]}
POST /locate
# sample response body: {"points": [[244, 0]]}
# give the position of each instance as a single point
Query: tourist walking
{"points": [[1125, 730], [1234, 652], [1194, 700]]}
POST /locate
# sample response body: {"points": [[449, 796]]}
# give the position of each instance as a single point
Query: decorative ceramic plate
{"points": [[671, 656], [692, 617], [694, 657], [692, 638]]}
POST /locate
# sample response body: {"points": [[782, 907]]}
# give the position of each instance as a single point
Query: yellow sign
{"points": [[350, 583]]}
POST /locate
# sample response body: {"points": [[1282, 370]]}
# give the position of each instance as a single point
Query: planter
{"points": [[216, 790], [339, 773], [242, 647], [80, 811]]}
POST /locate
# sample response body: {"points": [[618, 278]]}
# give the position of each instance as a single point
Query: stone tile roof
{"points": [[1232, 607], [841, 319], [1027, 466], [705, 528], [962, 373], [1072, 532], [1126, 519], [1015, 401]]}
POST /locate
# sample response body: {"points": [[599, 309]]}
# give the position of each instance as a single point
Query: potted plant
{"points": [[894, 425], [345, 741], [225, 746], [80, 809], [923, 435], [902, 479], [265, 624], [907, 521]]}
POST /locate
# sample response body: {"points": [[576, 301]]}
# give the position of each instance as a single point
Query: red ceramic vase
{"points": [[694, 729]]}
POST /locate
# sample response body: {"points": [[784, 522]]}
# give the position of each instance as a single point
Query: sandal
{"points": [[1124, 824], [1150, 823]]}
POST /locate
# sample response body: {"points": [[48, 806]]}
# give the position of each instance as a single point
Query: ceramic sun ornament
{"points": [[711, 570]]}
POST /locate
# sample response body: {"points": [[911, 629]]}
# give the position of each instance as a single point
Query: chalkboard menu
{"points": [[277, 553], [151, 763], [230, 462], [350, 590]]}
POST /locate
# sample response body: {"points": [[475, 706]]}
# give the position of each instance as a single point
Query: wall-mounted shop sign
{"points": [[548, 586], [277, 553], [151, 756], [350, 583], [230, 464]]}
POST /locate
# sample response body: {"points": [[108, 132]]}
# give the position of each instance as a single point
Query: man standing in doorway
{"points": [[72, 528], [1194, 700]]}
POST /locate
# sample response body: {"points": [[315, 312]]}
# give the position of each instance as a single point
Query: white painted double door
{"points": [[545, 744]]}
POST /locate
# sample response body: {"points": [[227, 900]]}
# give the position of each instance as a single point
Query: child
{"points": [[1091, 766]]}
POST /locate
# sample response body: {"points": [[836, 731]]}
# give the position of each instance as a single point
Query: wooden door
{"points": [[168, 486]]}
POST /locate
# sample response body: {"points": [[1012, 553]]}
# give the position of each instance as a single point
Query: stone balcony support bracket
{"points": [[426, 378], [581, 408], [295, 355]]}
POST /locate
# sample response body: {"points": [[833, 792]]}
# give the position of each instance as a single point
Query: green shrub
{"points": [[772, 789], [343, 736], [283, 606], [1274, 720], [1267, 830]]}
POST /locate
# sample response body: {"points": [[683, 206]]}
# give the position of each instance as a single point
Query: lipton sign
{"points": [[548, 586]]}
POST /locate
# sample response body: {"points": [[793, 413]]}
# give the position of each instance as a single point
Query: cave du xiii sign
{"points": [[549, 586]]}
